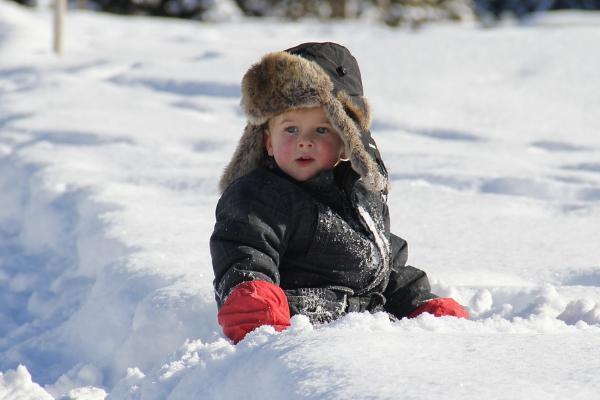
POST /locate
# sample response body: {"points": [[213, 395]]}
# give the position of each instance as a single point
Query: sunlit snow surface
{"points": [[109, 160]]}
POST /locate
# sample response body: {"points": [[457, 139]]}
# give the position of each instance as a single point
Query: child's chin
{"points": [[301, 177]]}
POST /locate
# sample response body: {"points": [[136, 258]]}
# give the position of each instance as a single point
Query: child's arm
{"points": [[408, 292], [249, 235]]}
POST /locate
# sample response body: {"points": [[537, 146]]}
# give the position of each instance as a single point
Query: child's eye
{"points": [[322, 130], [291, 129]]}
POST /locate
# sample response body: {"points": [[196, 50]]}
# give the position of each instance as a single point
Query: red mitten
{"points": [[253, 304], [441, 307]]}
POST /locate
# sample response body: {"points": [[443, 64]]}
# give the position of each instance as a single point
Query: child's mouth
{"points": [[304, 160]]}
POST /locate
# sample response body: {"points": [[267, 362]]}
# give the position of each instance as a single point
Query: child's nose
{"points": [[305, 141], [303, 144]]}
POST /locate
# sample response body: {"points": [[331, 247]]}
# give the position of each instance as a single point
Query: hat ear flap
{"points": [[361, 114], [362, 162], [248, 155]]}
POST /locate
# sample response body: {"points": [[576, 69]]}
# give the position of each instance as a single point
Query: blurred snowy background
{"points": [[391, 12]]}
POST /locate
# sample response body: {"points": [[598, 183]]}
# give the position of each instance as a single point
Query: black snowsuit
{"points": [[325, 242]]}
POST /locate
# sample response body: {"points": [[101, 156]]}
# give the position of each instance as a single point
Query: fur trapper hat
{"points": [[308, 75]]}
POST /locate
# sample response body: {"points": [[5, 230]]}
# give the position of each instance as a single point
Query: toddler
{"points": [[302, 226]]}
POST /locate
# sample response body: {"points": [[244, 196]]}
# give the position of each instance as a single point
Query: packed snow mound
{"points": [[17, 384], [109, 163], [344, 360]]}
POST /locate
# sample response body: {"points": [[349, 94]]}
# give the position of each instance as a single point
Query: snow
{"points": [[17, 384], [109, 162]]}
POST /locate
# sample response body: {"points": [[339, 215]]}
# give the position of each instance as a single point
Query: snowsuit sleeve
{"points": [[249, 236], [408, 287]]}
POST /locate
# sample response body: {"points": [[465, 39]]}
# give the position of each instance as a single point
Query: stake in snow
{"points": [[60, 7]]}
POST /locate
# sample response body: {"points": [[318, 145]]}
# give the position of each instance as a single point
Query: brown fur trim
{"points": [[363, 117], [280, 82]]}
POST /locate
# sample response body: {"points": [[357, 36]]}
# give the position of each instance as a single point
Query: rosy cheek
{"points": [[288, 143]]}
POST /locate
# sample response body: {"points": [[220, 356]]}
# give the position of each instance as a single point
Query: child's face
{"points": [[303, 142]]}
